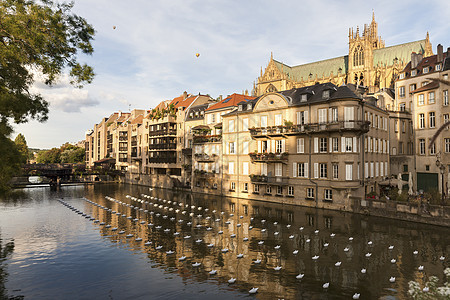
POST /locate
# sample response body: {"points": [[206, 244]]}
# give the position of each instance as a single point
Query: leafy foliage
{"points": [[431, 289], [10, 161], [49, 156], [22, 147]]}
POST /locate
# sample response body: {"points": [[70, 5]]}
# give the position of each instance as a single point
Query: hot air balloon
{"points": [[197, 54]]}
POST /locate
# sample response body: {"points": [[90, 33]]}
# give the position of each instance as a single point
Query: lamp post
{"points": [[441, 168]]}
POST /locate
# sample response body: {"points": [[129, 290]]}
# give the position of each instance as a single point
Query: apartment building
{"points": [[422, 89], [320, 146]]}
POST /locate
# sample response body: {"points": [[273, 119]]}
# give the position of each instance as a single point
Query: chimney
{"points": [[120, 113], [448, 52], [185, 95], [415, 60], [220, 97], [440, 53]]}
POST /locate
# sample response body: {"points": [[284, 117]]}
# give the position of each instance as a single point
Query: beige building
{"points": [[320, 146], [422, 90], [368, 63]]}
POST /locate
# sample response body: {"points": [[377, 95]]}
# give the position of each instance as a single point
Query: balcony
{"points": [[123, 149], [199, 139], [162, 160], [203, 157], [123, 138], [133, 143], [169, 146], [163, 132], [187, 151], [204, 174], [340, 126], [269, 157], [272, 180]]}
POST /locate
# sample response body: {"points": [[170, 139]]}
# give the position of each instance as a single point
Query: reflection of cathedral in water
{"points": [[368, 63], [280, 236]]}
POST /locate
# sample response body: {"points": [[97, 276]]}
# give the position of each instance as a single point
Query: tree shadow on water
{"points": [[6, 251]]}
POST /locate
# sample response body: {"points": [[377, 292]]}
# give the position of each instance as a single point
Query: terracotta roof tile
{"points": [[431, 86], [230, 101]]}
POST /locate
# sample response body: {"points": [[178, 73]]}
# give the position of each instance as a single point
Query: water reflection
{"points": [[228, 235], [6, 249]]}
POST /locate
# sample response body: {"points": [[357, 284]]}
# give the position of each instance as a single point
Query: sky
{"points": [[145, 51]]}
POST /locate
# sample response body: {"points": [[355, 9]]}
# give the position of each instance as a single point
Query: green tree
{"points": [[72, 155], [21, 145], [51, 156], [43, 37], [10, 161]]}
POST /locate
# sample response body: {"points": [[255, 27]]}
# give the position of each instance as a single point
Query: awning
{"points": [[201, 127]]}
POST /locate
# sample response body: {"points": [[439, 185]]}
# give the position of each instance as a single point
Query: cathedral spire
{"points": [[373, 16]]}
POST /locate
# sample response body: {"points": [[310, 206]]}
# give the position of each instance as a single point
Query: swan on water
{"points": [[295, 252], [392, 279], [300, 276], [363, 271], [393, 260], [356, 296], [213, 272], [391, 247], [231, 280], [277, 247], [258, 261], [277, 268], [240, 255], [253, 291], [315, 257], [182, 258], [326, 285], [338, 264]]}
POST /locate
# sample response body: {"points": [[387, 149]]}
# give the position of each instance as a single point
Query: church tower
{"points": [[360, 54]]}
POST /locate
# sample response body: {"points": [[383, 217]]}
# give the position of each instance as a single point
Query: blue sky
{"points": [[150, 55]]}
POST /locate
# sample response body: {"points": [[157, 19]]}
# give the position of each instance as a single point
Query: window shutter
{"points": [[330, 144], [330, 115], [259, 146], [306, 117], [316, 144], [283, 146], [306, 169], [355, 144], [316, 170], [342, 144], [294, 169]]}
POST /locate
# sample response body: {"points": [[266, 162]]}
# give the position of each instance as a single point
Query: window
{"points": [[401, 92], [426, 70], [290, 190], [326, 94], [233, 186], [231, 167], [323, 115], [268, 189], [438, 67], [334, 114], [413, 72], [335, 142], [328, 195], [421, 99], [300, 145], [279, 190], [302, 117], [323, 145], [433, 149], [245, 187], [310, 193], [432, 119], [245, 148], [302, 169], [445, 97], [358, 56], [447, 145], [249, 106], [412, 87], [446, 119], [304, 98], [231, 126], [348, 172], [278, 119], [400, 147], [231, 149], [245, 124], [278, 169], [323, 171], [245, 168], [264, 169], [402, 106], [431, 99], [422, 146], [421, 121], [348, 144], [256, 188], [401, 76], [335, 171], [279, 146], [263, 121]]}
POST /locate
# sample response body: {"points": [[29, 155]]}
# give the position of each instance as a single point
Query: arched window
{"points": [[358, 56]]}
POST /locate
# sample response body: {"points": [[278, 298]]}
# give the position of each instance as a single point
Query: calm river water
{"points": [[129, 249]]}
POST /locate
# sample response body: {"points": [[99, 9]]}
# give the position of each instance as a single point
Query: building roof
{"points": [[138, 120], [431, 86], [230, 101], [123, 117], [386, 56], [197, 112]]}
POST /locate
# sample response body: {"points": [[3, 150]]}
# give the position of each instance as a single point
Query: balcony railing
{"points": [[198, 139], [273, 180], [268, 157], [162, 160], [123, 138], [203, 157], [123, 149], [204, 174], [187, 151], [338, 126], [163, 132], [133, 143], [169, 146]]}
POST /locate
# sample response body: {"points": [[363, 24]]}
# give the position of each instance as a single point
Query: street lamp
{"points": [[441, 168]]}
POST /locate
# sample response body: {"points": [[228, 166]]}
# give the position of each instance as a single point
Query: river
{"points": [[129, 247]]}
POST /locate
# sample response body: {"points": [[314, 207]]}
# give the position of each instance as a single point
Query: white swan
{"points": [[220, 232], [258, 261], [393, 260], [295, 252], [253, 291], [300, 276], [392, 279], [277, 268], [213, 272], [338, 264], [196, 264], [182, 258], [231, 280], [391, 247], [315, 257], [326, 285], [363, 271], [245, 239], [356, 296], [240, 255]]}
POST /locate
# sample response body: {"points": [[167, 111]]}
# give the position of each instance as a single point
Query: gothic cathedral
{"points": [[368, 63]]}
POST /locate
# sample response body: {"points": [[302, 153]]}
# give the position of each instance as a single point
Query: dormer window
{"points": [[413, 72], [191, 115], [438, 67], [304, 98], [249, 106], [240, 107], [326, 94], [402, 76], [426, 70], [196, 113], [202, 113]]}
